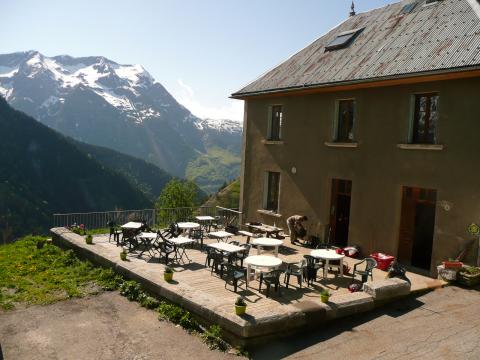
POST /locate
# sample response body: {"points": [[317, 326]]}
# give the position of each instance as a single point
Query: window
{"points": [[275, 123], [407, 9], [425, 119], [346, 121], [272, 191], [343, 40]]}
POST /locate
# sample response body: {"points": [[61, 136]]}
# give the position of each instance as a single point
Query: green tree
{"points": [[180, 195], [176, 194]]}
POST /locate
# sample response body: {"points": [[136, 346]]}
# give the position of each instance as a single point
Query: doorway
{"points": [[340, 212], [417, 225]]}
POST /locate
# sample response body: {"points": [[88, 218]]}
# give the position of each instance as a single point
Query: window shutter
{"points": [[265, 190], [269, 122], [411, 119]]}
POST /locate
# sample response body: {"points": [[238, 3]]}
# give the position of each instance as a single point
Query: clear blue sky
{"points": [[200, 50]]}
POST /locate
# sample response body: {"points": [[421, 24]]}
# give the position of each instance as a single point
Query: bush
{"points": [[171, 312], [213, 338], [148, 302], [131, 290], [188, 322], [109, 280]]}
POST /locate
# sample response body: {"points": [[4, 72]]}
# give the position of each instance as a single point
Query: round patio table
{"points": [[328, 255], [261, 242], [261, 261]]}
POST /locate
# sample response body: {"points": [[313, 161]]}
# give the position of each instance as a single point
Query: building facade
{"points": [[387, 162]]}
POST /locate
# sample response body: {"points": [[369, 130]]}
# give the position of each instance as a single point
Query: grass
{"points": [[42, 276], [210, 171]]}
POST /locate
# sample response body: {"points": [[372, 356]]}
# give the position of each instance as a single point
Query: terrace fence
{"points": [[153, 217]]}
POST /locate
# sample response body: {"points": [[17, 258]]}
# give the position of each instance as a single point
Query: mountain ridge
{"points": [[42, 172], [101, 102]]}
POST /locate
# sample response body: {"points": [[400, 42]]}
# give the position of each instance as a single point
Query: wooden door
{"points": [[417, 226], [340, 212]]}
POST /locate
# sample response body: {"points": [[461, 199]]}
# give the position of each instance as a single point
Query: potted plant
{"points": [[89, 239], [240, 306], [123, 255], [325, 295], [469, 276], [168, 274]]}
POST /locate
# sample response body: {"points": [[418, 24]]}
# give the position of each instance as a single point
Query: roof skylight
{"points": [[408, 8], [343, 39]]}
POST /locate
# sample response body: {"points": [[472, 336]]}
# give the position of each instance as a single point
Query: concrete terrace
{"points": [[205, 295]]}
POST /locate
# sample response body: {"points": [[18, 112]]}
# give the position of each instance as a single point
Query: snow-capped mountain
{"points": [[98, 101]]}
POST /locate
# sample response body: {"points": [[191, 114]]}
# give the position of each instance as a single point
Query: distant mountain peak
{"points": [[101, 102]]}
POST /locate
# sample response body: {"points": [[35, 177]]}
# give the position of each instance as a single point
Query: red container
{"points": [[453, 264], [339, 251], [383, 260]]}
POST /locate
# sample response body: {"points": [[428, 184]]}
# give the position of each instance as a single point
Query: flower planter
{"points": [[452, 264], [240, 310], [123, 256], [324, 298], [468, 279], [168, 276]]}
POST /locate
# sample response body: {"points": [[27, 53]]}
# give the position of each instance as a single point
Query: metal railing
{"points": [[153, 217]]}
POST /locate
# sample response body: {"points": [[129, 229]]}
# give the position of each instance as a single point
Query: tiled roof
{"points": [[438, 37]]}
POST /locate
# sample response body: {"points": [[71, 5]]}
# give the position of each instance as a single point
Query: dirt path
{"points": [[444, 324], [106, 326]]}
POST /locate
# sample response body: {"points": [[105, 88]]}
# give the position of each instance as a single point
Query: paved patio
{"points": [[197, 275], [194, 284]]}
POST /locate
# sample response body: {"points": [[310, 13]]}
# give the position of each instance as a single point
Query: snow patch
{"points": [[6, 71]]}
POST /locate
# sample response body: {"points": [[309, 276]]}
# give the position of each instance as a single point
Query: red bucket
{"points": [[383, 260]]}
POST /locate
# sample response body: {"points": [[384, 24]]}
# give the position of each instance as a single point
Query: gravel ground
{"points": [[106, 326], [443, 324]]}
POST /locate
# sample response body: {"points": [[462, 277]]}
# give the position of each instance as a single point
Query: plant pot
{"points": [[240, 310], [123, 256], [452, 264], [468, 279], [324, 298], [89, 240], [168, 276]]}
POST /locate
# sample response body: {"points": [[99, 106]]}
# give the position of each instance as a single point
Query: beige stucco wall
{"points": [[377, 167]]}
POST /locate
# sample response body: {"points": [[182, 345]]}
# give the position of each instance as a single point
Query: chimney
{"points": [[352, 13]]}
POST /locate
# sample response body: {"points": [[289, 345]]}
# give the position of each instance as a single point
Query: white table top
{"points": [[132, 225], [181, 240], [263, 261], [188, 225], [265, 227], [267, 242], [326, 254], [230, 248], [148, 235], [204, 218], [220, 234]]}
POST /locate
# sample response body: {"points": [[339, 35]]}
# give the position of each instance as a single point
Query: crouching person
{"points": [[295, 227]]}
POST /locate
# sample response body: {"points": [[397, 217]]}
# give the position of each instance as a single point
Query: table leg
{"points": [[248, 274], [325, 269], [259, 248], [276, 251]]}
